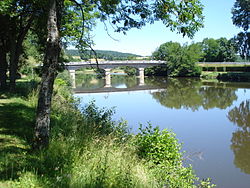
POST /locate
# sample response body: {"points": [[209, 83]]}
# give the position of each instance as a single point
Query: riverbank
{"points": [[87, 149]]}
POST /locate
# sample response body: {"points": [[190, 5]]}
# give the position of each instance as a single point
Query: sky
{"points": [[217, 23]]}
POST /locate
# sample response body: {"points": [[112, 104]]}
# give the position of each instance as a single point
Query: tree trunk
{"points": [[49, 73], [15, 52], [16, 41], [3, 67], [4, 20]]}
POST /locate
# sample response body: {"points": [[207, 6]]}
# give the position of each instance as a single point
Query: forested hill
{"points": [[103, 54]]}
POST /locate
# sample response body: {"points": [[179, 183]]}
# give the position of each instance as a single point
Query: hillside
{"points": [[103, 54]]}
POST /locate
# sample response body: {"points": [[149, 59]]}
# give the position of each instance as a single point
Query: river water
{"points": [[211, 119]]}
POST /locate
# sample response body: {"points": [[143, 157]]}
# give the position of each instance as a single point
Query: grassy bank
{"points": [[87, 148]]}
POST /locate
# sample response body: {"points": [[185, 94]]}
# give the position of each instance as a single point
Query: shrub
{"points": [[158, 146], [162, 152]]}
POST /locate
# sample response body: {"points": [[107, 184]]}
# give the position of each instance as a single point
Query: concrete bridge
{"points": [[107, 66]]}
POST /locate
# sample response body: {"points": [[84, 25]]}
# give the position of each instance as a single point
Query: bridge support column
{"points": [[73, 77], [141, 77], [107, 78]]}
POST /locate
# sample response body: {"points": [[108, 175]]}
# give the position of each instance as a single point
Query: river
{"points": [[211, 119]]}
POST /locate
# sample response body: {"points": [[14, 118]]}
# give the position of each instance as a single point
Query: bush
{"points": [[162, 152], [158, 146]]}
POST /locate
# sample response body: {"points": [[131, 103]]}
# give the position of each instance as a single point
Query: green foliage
{"points": [[28, 179], [4, 6], [183, 16], [106, 164], [242, 44], [220, 50], [64, 76], [156, 71], [87, 149], [130, 71], [241, 14], [62, 87], [158, 146], [241, 19], [77, 22], [162, 152], [98, 120], [181, 60], [31, 47]]}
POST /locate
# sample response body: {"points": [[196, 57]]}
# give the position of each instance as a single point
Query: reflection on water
{"points": [[89, 81], [241, 138], [192, 94], [202, 114]]}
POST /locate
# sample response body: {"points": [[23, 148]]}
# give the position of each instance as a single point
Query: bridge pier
{"points": [[141, 77], [107, 78], [73, 77]]}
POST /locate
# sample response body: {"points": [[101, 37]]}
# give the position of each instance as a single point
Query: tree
{"points": [[227, 51], [183, 16], [49, 73], [241, 14], [242, 44], [3, 53], [17, 16], [210, 49], [218, 50], [241, 18], [181, 60]]}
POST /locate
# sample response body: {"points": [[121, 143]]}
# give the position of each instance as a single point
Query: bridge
{"points": [[107, 66]]}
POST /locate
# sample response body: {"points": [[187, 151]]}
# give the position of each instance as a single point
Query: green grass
{"points": [[87, 149]]}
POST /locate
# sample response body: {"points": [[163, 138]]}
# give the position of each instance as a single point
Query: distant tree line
{"points": [[182, 58], [209, 50], [101, 54]]}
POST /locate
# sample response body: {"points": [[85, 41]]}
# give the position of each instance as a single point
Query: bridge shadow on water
{"points": [[114, 89]]}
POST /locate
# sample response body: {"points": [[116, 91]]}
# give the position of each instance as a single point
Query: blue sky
{"points": [[218, 23]]}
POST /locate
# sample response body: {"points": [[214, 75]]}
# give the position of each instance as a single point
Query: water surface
{"points": [[211, 119]]}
